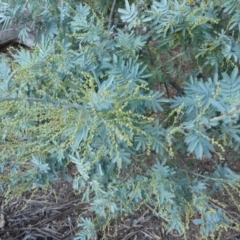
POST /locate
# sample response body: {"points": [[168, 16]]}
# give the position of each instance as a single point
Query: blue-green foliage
{"points": [[203, 102], [81, 96]]}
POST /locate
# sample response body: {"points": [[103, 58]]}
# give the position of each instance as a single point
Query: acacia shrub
{"points": [[82, 96]]}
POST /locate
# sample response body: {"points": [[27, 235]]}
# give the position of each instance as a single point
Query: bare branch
{"points": [[49, 101], [231, 113], [11, 35], [111, 16]]}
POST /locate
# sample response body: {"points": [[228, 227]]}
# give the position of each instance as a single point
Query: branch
{"points": [[111, 16], [232, 112], [11, 35], [180, 91], [68, 105], [173, 58]]}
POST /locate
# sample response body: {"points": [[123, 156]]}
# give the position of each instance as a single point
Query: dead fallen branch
{"points": [[11, 35]]}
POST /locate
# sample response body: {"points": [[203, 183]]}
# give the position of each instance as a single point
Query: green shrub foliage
{"points": [[85, 96]]}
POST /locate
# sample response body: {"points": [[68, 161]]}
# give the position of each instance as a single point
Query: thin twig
{"points": [[111, 16], [48, 101], [232, 236], [180, 90], [166, 89], [150, 234], [170, 60], [232, 112]]}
